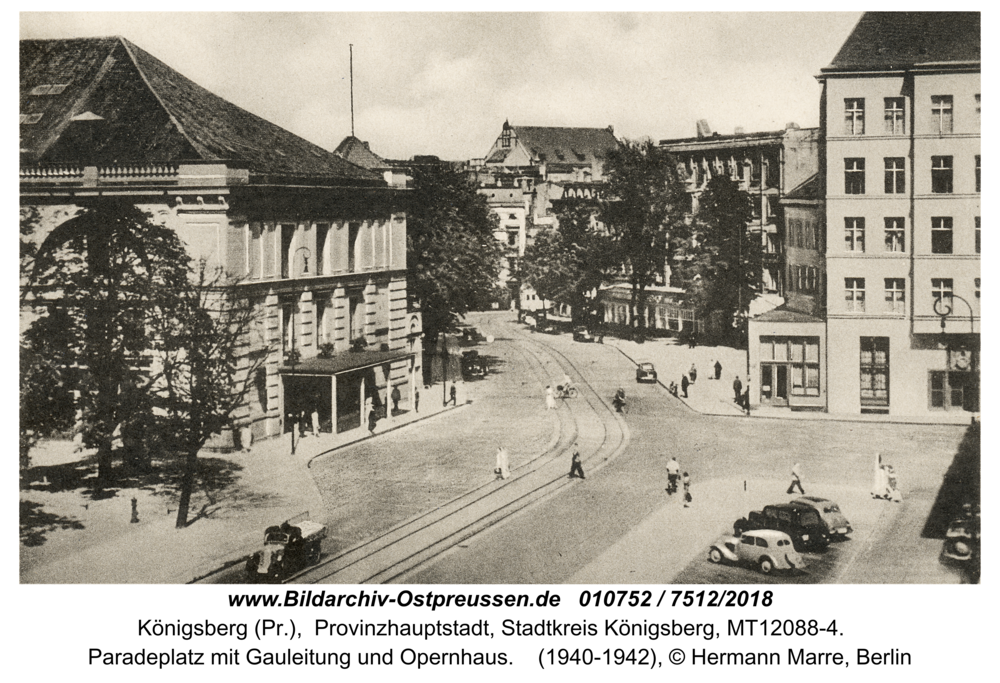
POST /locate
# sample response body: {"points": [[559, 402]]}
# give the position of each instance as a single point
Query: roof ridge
{"points": [[173, 119]]}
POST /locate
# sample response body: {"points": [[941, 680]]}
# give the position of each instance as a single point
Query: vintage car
{"points": [[288, 548], [801, 523], [473, 364], [766, 549], [833, 519], [961, 541], [645, 372], [582, 334]]}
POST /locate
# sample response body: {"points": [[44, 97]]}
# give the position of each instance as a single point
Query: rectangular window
{"points": [[874, 371], [854, 294], [942, 290], [978, 172], [941, 113], [789, 358], [977, 288], [894, 121], [854, 116], [895, 234], [854, 176], [322, 260], [895, 295], [941, 174], [854, 234], [946, 389], [895, 175], [978, 243], [941, 235]]}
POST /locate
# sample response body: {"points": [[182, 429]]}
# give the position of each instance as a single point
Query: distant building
{"points": [[317, 243], [767, 165], [900, 115], [525, 171]]}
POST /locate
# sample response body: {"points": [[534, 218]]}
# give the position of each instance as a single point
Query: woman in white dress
{"points": [[550, 398]]}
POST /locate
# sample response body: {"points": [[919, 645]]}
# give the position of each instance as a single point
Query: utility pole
{"points": [[351, 46]]}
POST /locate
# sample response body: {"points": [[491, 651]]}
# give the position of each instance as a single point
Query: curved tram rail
{"points": [[392, 555]]}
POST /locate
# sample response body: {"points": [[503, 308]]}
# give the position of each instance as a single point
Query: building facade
{"points": [[316, 244], [900, 115], [526, 173]]}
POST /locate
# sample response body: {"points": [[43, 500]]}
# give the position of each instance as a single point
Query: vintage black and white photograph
{"points": [[500, 298]]}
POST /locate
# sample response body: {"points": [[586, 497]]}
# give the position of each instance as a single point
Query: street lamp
{"points": [[944, 309]]}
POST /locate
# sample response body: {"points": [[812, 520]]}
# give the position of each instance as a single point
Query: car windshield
{"points": [[646, 366], [810, 517]]}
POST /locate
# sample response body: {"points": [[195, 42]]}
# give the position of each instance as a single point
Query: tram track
{"points": [[392, 555]]}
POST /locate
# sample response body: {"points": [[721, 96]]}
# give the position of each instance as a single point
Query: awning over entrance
{"points": [[343, 362]]}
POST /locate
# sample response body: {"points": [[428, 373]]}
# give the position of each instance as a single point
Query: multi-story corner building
{"points": [[900, 117], [317, 244]]}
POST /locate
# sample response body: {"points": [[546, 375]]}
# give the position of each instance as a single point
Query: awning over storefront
{"points": [[343, 362]]}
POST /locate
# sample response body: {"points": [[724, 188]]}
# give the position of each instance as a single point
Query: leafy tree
{"points": [[204, 373], [721, 268], [568, 264], [644, 215], [453, 258], [98, 281]]}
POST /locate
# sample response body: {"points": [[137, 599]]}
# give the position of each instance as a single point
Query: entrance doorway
{"points": [[304, 394]]}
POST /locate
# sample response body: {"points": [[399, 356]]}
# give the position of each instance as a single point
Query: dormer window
{"points": [[48, 89], [505, 138]]}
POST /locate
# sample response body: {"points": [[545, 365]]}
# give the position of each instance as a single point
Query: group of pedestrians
{"points": [[741, 394], [674, 477]]}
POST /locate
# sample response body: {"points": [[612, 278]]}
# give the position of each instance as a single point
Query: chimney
{"points": [[704, 130]]}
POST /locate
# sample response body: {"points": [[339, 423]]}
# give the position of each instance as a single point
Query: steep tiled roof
{"points": [[359, 153], [566, 145], [146, 112], [898, 40]]}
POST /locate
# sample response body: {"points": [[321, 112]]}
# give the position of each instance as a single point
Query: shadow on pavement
{"points": [[960, 486], [35, 523]]}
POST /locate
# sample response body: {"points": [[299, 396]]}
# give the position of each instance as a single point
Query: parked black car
{"points": [[801, 523]]}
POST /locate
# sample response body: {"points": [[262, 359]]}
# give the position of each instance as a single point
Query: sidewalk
{"points": [[711, 397], [101, 545]]}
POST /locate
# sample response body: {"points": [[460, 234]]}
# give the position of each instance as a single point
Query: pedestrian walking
{"points": [[686, 481], [880, 482], [315, 421], [796, 479], [416, 400], [576, 468], [372, 419], [684, 385], [246, 437], [718, 370], [550, 398], [673, 474], [737, 390], [303, 424], [395, 396], [453, 395], [693, 373], [746, 398], [502, 469]]}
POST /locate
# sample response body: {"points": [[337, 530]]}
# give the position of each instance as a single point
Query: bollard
{"points": [[135, 512]]}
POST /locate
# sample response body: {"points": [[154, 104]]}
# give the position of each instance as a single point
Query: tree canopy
{"points": [[453, 257], [645, 215], [721, 267], [97, 282]]}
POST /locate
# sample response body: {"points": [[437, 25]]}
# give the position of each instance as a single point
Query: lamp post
{"points": [[944, 309]]}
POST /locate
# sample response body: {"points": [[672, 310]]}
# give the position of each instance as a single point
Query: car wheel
{"points": [[766, 566], [714, 556]]}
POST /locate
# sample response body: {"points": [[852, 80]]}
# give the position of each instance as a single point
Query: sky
{"points": [[444, 83]]}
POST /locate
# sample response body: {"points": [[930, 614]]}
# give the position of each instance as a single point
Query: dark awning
{"points": [[342, 362]]}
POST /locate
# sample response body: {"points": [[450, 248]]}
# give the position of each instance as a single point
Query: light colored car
{"points": [[830, 515], [766, 549]]}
